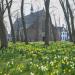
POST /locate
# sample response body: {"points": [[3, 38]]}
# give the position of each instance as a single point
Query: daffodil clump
{"points": [[37, 59]]}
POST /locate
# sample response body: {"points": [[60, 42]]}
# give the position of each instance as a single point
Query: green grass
{"points": [[36, 59]]}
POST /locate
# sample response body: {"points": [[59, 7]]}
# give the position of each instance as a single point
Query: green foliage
{"points": [[36, 59]]}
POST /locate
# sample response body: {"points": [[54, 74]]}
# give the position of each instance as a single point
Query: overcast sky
{"points": [[55, 9]]}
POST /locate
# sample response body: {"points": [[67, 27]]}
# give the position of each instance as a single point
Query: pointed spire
{"points": [[31, 8]]}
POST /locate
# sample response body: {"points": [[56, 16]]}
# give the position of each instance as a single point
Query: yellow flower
{"points": [[0, 72], [31, 73], [43, 68], [52, 63], [69, 70]]}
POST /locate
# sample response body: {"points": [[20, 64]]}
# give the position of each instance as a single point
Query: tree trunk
{"points": [[11, 24], [3, 34], [23, 22], [47, 2], [53, 30]]}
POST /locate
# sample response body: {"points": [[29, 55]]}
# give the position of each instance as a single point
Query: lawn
{"points": [[36, 59]]}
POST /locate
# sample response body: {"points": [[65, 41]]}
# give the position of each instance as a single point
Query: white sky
{"points": [[37, 5]]}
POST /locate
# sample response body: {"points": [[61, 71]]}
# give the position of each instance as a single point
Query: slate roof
{"points": [[29, 19], [60, 29]]}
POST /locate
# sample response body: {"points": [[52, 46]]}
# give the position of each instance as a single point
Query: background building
{"points": [[35, 25]]}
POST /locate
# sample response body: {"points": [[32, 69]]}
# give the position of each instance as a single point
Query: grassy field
{"points": [[36, 59]]}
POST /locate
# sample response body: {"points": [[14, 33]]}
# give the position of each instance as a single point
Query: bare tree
{"points": [[66, 14], [69, 19], [23, 22], [74, 2], [18, 30], [72, 20], [3, 32], [10, 19], [52, 29]]}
